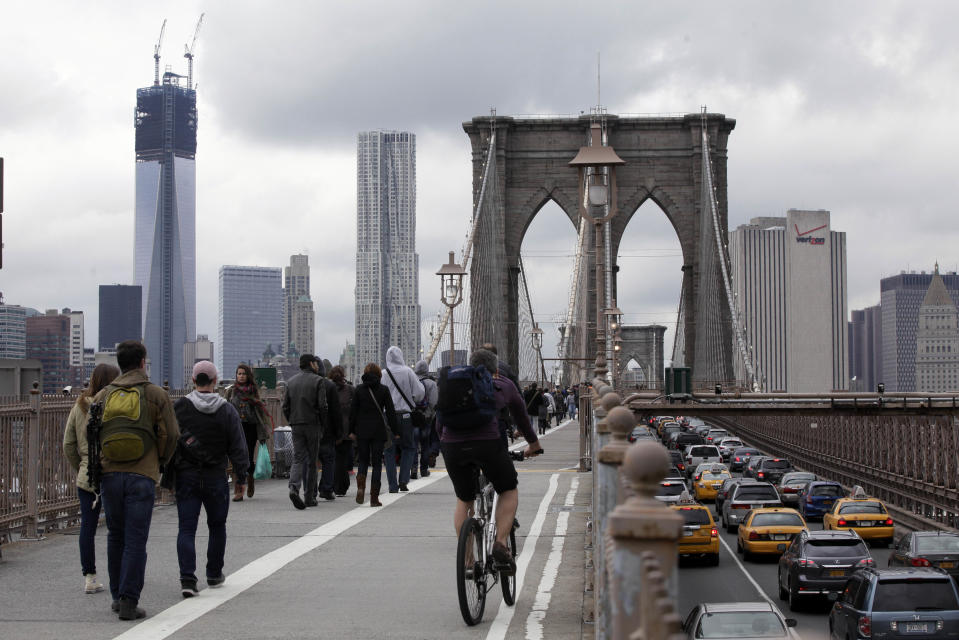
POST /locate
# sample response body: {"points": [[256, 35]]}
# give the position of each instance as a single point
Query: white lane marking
{"points": [[534, 623], [500, 624], [181, 614], [755, 584], [523, 444]]}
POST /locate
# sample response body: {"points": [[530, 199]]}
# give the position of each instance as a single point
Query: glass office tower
{"points": [[165, 229]]}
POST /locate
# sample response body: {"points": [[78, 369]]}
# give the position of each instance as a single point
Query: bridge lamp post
{"points": [[597, 204], [613, 318], [451, 294], [536, 337]]}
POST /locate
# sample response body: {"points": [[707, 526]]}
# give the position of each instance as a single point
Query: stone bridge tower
{"points": [[663, 162]]}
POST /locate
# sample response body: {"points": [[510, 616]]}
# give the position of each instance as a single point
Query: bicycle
{"points": [[476, 571]]}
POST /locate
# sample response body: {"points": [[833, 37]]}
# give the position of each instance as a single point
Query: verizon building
{"points": [[165, 227], [789, 275]]}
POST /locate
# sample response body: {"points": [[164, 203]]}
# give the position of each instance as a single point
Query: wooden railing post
{"points": [[642, 524]]}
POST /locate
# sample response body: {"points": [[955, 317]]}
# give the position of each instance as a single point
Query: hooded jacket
{"points": [[164, 426], [75, 441], [405, 378], [366, 421], [216, 424], [431, 390]]}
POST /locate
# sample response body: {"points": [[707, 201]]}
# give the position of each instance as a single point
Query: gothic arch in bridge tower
{"points": [[663, 163]]}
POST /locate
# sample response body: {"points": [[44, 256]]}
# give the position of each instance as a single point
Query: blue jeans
{"points": [[328, 460], [407, 446], [207, 488], [89, 517], [389, 461], [128, 502]]}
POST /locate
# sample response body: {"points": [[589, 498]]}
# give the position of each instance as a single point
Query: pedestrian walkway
{"points": [[337, 571]]}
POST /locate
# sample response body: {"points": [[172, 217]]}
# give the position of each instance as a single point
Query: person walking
{"points": [[426, 436], [571, 403], [407, 391], [211, 430], [245, 398], [332, 433], [536, 406], [133, 408], [309, 410], [343, 446], [75, 448], [372, 424]]}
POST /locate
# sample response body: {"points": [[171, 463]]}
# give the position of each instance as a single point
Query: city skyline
{"points": [[818, 106]]}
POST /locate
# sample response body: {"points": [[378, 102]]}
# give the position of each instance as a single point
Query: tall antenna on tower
{"points": [[599, 100], [156, 55]]}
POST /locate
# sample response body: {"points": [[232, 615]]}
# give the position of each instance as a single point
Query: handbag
{"points": [[263, 469], [417, 417], [389, 432]]}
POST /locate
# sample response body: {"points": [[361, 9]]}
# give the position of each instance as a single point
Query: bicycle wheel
{"points": [[470, 574], [509, 582]]}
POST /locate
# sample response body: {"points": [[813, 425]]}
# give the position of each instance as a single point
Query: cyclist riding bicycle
{"points": [[482, 447]]}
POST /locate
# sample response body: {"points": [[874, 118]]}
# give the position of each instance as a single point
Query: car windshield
{"points": [[747, 494], [703, 452], [777, 464], [741, 624], [830, 490], [745, 452], [777, 519], [795, 482], [731, 443], [861, 507], [715, 435], [836, 548], [938, 544], [670, 489], [915, 594], [715, 475], [694, 515]]}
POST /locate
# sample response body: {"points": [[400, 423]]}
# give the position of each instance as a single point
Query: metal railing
{"points": [[37, 484]]}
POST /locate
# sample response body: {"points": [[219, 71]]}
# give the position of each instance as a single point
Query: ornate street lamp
{"points": [[613, 318], [451, 294], [536, 337], [597, 178]]}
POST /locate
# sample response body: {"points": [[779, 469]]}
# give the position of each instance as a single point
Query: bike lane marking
{"points": [[174, 618], [534, 622], [501, 623]]}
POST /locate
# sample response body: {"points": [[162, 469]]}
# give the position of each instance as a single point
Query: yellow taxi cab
{"points": [[700, 536], [706, 485], [865, 515], [768, 530]]}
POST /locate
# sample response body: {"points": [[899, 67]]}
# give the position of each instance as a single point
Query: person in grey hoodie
{"points": [[211, 431], [407, 391], [426, 435]]}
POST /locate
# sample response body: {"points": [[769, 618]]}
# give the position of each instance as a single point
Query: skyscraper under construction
{"points": [[387, 267], [166, 123]]}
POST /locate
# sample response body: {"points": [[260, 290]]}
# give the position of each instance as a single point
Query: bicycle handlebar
{"points": [[519, 457]]}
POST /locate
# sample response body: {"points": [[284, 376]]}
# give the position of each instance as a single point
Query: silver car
{"points": [[743, 498], [696, 454], [727, 446], [742, 620]]}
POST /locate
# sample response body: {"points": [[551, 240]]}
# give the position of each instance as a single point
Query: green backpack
{"points": [[126, 433]]}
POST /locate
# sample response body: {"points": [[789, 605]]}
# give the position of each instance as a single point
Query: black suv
{"points": [[896, 603], [818, 562], [772, 469]]}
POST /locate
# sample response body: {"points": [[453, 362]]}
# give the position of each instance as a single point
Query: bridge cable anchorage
{"points": [[724, 261]]}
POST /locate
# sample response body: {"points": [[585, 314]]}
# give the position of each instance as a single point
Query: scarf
{"points": [[244, 394]]}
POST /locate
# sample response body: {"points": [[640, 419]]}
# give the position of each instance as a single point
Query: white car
{"points": [[696, 454], [728, 445]]}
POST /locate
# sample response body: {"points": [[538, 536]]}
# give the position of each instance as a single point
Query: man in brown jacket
{"points": [[131, 472]]}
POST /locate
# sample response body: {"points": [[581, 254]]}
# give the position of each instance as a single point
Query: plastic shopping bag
{"points": [[263, 469]]}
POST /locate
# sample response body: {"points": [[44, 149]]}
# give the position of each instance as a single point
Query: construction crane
{"points": [[156, 56], [188, 54]]}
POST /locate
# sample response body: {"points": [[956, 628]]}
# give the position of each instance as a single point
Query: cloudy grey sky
{"points": [[841, 106]]}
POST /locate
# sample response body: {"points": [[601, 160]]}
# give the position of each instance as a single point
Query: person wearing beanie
{"points": [[211, 431]]}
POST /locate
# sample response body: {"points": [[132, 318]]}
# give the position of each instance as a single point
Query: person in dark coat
{"points": [[344, 446], [371, 412]]}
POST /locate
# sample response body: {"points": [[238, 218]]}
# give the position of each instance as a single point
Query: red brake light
{"points": [[753, 535], [888, 522], [866, 562], [865, 626], [740, 506], [920, 562], [806, 563], [789, 490], [842, 523], [761, 474], [714, 533], [738, 459], [681, 466]]}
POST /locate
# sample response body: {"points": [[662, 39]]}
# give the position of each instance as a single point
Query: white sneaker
{"points": [[90, 584]]}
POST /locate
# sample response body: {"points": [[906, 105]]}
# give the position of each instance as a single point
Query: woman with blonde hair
{"points": [[75, 449]]}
